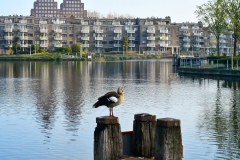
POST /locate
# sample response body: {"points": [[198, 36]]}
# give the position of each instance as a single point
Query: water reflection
{"points": [[220, 122]]}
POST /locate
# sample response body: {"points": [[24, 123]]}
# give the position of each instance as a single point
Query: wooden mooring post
{"points": [[144, 126], [107, 139], [168, 139]]}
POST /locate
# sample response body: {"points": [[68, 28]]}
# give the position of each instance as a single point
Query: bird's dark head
{"points": [[120, 90]]}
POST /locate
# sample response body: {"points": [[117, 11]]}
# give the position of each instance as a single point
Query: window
{"points": [[70, 35], [64, 35], [64, 28]]}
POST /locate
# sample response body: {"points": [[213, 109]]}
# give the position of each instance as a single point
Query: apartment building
{"points": [[49, 8], [148, 35]]}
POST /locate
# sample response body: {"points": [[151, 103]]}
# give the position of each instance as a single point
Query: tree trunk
{"points": [[218, 53]]}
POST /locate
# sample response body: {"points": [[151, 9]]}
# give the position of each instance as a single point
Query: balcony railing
{"points": [[42, 22], [23, 21], [129, 23], [148, 23], [131, 38], [131, 45], [197, 34], [163, 45], [186, 45], [117, 45], [115, 23], [150, 31], [163, 31], [44, 30], [23, 29], [8, 37], [195, 27], [151, 38], [43, 38], [7, 21], [150, 45], [24, 45], [98, 45], [56, 22], [198, 40], [57, 30], [184, 27], [186, 34], [23, 38], [8, 45], [85, 45], [117, 31], [58, 38], [117, 38], [164, 38], [8, 29], [197, 45], [213, 46], [43, 45], [85, 38], [99, 31], [85, 31], [186, 39], [98, 38], [57, 45], [97, 23], [84, 23], [131, 31]]}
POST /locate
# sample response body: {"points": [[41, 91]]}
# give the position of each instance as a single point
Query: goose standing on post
{"points": [[110, 99]]}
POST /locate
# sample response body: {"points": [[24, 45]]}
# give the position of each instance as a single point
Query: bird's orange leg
{"points": [[110, 111]]}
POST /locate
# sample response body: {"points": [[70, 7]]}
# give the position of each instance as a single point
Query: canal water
{"points": [[46, 107]]}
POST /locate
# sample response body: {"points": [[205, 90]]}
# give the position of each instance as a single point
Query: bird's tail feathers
{"points": [[97, 104]]}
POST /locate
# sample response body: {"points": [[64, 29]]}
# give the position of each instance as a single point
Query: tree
{"points": [[125, 43], [212, 15], [76, 47], [93, 14], [67, 49], [232, 9]]}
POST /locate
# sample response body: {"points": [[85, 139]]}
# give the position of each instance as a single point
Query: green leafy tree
{"points": [[76, 47], [232, 9], [125, 43], [213, 17], [67, 49]]}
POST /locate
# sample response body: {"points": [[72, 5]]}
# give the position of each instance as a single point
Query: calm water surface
{"points": [[46, 107]]}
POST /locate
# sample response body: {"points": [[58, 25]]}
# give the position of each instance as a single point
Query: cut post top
{"points": [[145, 117], [107, 120], [168, 122]]}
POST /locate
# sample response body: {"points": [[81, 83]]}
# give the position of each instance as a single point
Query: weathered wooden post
{"points": [[144, 126], [107, 139], [168, 139]]}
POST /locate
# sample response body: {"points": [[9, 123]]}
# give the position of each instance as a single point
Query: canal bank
{"points": [[207, 71]]}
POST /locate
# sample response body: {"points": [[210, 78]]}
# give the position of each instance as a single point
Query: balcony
{"points": [[148, 23], [42, 22], [163, 31], [97, 23], [197, 45], [85, 38], [195, 27], [43, 30], [84, 23], [197, 34], [56, 22], [222, 41], [85, 45], [186, 39], [131, 31], [23, 29], [57, 45], [23, 21], [85, 31], [8, 37], [164, 38], [115, 23], [131, 38], [98, 45], [186, 34], [117, 38], [184, 27], [57, 38], [150, 31], [8, 45], [57, 30], [186, 45], [24, 45], [99, 31], [117, 45], [43, 38], [151, 38], [117, 31], [7, 21], [43, 45], [131, 45], [8, 29], [129, 23], [23, 37], [198, 40], [151, 45], [98, 38], [163, 45], [213, 46]]}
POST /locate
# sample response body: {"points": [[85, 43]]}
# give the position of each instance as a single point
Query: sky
{"points": [[178, 10]]}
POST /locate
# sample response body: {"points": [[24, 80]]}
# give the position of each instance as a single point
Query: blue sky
{"points": [[178, 10]]}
